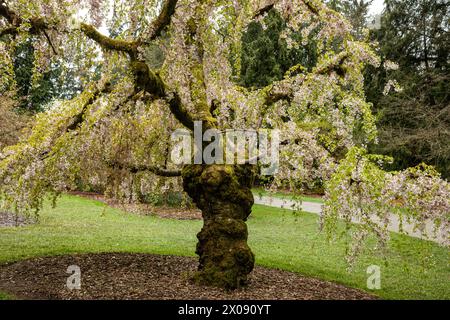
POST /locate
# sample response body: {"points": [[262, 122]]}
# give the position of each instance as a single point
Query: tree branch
{"points": [[263, 10], [36, 24], [163, 19], [105, 42], [311, 7], [50, 42], [152, 83], [179, 111], [145, 79], [8, 14], [78, 118], [8, 31], [39, 25]]}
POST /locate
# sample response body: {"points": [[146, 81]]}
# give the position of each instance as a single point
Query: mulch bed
{"points": [[146, 276]]}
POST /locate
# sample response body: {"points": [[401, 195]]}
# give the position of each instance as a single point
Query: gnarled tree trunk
{"points": [[223, 194]]}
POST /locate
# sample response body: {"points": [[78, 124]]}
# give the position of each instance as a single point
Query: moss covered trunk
{"points": [[223, 193]]}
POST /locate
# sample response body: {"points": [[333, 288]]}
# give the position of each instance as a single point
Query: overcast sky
{"points": [[377, 7]]}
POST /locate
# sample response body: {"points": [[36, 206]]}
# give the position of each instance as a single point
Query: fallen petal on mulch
{"points": [[146, 276]]}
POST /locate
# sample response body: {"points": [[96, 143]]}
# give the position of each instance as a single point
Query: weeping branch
{"points": [[145, 79], [78, 118], [282, 90], [150, 82], [334, 65], [162, 172]]}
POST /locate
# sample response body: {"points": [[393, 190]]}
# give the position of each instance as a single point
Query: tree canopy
{"points": [[116, 133]]}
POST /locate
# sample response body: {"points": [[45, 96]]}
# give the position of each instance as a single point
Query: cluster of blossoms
{"points": [[392, 84], [303, 164], [370, 200], [390, 65]]}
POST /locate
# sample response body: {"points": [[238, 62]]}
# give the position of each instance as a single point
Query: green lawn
{"points": [[4, 296], [279, 239], [258, 192]]}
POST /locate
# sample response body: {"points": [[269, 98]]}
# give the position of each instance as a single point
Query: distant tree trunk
{"points": [[223, 193]]}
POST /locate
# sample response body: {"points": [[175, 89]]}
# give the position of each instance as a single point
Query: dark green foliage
{"points": [[266, 56], [414, 124], [51, 85], [33, 97]]}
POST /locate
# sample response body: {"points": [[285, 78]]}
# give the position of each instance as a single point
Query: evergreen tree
{"points": [[415, 123], [266, 57], [33, 97]]}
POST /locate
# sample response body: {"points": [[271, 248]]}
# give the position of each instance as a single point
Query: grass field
{"points": [[258, 192], [4, 296], [278, 238]]}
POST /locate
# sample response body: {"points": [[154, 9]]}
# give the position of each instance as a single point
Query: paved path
{"points": [[316, 208]]}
